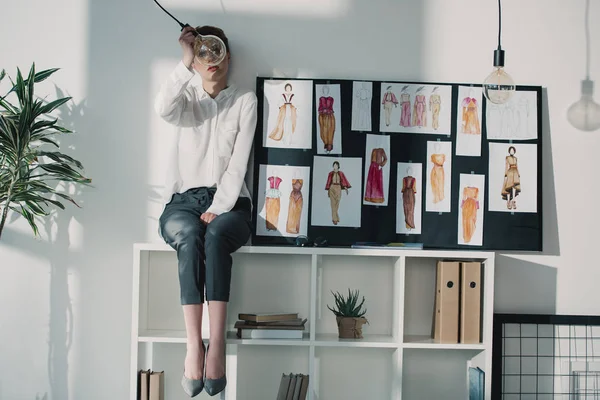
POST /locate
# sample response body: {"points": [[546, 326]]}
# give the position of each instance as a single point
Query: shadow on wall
{"points": [[527, 288]]}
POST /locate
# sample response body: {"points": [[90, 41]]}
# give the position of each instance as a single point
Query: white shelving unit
{"points": [[397, 358]]}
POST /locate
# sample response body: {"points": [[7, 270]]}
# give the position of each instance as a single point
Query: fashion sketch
{"points": [[511, 186], [273, 203], [361, 106], [405, 106], [435, 104], [326, 119], [419, 117], [470, 116], [469, 206], [409, 189], [374, 190], [389, 102], [437, 177], [516, 119], [295, 207], [336, 184], [288, 114]]}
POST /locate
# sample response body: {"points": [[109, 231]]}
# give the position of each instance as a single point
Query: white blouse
{"points": [[212, 140]]}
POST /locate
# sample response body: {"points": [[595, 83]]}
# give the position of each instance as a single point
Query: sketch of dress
{"points": [[326, 121], [389, 101], [374, 190], [522, 118], [419, 117], [336, 182], [435, 103], [512, 179], [286, 120], [405, 104], [469, 205], [409, 188], [470, 116], [295, 207], [272, 203], [361, 114], [437, 177]]}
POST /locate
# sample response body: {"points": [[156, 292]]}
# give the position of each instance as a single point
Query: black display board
{"points": [[508, 230]]}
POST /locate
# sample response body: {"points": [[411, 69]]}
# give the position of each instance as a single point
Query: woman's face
{"points": [[336, 167], [511, 151], [288, 88]]}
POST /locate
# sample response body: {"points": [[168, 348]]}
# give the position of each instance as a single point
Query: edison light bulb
{"points": [[585, 114], [209, 49], [498, 87]]}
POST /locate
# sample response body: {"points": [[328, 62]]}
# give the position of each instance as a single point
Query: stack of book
{"points": [[270, 326], [150, 385], [293, 387]]}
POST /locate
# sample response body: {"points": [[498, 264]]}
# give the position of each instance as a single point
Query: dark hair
{"points": [[286, 86], [213, 30], [335, 162], [513, 149]]}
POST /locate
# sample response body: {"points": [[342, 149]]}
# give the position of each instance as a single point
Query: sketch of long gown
{"points": [[272, 203], [336, 182], [405, 104], [469, 205], [326, 121], [295, 207], [470, 116], [512, 179], [286, 119], [437, 177], [419, 117], [361, 114], [435, 103], [374, 189], [409, 188]]}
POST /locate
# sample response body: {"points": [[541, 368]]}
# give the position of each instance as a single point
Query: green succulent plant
{"points": [[347, 306], [30, 171]]}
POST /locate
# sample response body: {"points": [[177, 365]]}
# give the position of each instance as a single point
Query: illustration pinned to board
{"points": [[362, 97], [377, 170], [409, 210], [336, 194], [422, 108], [288, 114], [471, 209], [329, 119], [514, 120], [281, 204], [439, 173], [513, 176], [468, 139]]}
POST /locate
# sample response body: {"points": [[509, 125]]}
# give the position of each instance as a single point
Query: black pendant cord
{"points": [[587, 39], [171, 15], [499, 53], [499, 24]]}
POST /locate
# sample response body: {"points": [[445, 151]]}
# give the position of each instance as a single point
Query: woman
{"points": [[286, 119], [208, 211], [326, 120], [511, 186], [336, 182]]}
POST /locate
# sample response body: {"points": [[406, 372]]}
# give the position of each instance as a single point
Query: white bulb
{"points": [[585, 114], [498, 87]]}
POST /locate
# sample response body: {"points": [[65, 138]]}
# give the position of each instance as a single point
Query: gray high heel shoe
{"points": [[193, 387], [214, 386]]}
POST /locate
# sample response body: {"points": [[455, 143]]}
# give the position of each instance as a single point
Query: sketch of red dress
{"points": [[470, 116], [326, 121], [295, 207], [437, 177], [409, 188], [286, 119], [419, 117], [469, 205], [272, 203], [374, 190], [405, 104]]}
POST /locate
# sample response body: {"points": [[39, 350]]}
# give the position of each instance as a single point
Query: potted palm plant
{"points": [[349, 314], [30, 165]]}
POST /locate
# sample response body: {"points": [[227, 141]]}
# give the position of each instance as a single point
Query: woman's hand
{"points": [[186, 40], [207, 217]]}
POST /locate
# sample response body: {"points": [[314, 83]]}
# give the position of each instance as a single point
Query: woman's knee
{"points": [[178, 230]]}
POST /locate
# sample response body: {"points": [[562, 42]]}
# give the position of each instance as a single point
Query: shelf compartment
{"points": [[371, 341], [426, 342], [175, 336]]}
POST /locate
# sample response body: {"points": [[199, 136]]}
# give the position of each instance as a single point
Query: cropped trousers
{"points": [[204, 251]]}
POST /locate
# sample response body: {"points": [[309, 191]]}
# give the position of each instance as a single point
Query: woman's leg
{"points": [[224, 235]]}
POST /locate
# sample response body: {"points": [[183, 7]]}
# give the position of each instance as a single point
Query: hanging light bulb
{"points": [[585, 113], [499, 86]]}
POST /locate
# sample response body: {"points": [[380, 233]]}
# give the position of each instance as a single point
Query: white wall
{"points": [[65, 319]]}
